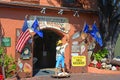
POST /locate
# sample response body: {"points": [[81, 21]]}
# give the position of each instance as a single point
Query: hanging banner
{"points": [[78, 60]]}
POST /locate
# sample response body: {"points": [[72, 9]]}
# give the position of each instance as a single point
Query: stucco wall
{"points": [[12, 18]]}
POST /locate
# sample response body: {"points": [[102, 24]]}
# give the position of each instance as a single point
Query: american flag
{"points": [[23, 38]]}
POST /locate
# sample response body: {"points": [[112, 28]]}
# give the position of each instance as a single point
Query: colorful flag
{"points": [[86, 28], [34, 26], [40, 33], [96, 35], [23, 38]]}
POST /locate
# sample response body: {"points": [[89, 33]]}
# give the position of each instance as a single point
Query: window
{"points": [[69, 1]]}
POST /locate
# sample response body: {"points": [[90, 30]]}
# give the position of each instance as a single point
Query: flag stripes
{"points": [[23, 38]]}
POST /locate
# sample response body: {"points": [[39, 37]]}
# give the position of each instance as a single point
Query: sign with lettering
{"points": [[75, 48], [78, 60], [58, 23], [6, 41]]}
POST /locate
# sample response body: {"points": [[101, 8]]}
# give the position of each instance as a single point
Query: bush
{"points": [[100, 54], [8, 62], [9, 66]]}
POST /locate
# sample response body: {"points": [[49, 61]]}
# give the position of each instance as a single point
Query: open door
{"points": [[44, 50]]}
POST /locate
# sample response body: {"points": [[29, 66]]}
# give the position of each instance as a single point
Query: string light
{"points": [[43, 10]]}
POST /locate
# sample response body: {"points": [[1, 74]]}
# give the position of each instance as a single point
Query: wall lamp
{"points": [[60, 11], [43, 10], [76, 13]]}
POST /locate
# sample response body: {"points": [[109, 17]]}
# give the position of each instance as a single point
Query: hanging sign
{"points": [[6, 41], [78, 60]]}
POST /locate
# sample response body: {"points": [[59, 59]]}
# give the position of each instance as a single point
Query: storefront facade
{"points": [[65, 26]]}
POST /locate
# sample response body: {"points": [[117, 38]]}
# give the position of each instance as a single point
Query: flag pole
{"points": [[35, 17], [26, 16], [84, 26], [94, 22]]}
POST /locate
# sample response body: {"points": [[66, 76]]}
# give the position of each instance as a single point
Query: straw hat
{"points": [[59, 42]]}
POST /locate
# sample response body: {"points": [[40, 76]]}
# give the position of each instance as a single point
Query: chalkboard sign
{"points": [[6, 41]]}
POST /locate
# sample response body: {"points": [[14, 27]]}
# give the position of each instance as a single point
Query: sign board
{"points": [[6, 41], [78, 60], [58, 23], [75, 48]]}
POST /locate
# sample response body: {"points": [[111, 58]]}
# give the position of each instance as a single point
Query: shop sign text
{"points": [[78, 60]]}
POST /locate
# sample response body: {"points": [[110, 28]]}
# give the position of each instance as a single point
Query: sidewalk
{"points": [[102, 71], [93, 74]]}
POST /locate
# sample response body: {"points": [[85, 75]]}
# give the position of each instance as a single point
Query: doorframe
{"points": [[64, 38]]}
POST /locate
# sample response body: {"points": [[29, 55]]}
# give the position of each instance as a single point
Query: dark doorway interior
{"points": [[44, 49]]}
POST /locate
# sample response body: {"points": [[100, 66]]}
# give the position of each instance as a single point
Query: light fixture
{"points": [[43, 10], [60, 11], [76, 14]]}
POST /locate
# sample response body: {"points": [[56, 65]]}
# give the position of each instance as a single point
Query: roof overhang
{"points": [[31, 6]]}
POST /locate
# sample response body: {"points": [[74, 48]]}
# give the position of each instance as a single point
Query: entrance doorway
{"points": [[44, 50]]}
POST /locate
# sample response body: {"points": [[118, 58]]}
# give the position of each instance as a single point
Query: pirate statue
{"points": [[60, 50]]}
